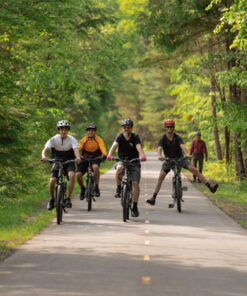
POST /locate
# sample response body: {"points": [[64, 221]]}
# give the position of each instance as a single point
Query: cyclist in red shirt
{"points": [[198, 150]]}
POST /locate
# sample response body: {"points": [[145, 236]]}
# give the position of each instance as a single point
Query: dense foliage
{"points": [[100, 60]]}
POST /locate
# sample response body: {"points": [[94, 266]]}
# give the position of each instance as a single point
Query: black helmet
{"points": [[127, 121], [62, 124], [91, 126], [198, 133]]}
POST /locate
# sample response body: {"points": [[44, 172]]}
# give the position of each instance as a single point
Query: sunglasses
{"points": [[169, 126]]}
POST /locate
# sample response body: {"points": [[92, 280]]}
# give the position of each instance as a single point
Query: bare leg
{"points": [[118, 175], [96, 174], [79, 179], [136, 191], [160, 180], [71, 183], [195, 172], [52, 187]]}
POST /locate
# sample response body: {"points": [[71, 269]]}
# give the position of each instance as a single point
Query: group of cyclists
{"points": [[128, 144]]}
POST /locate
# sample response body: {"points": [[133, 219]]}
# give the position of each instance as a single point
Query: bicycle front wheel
{"points": [[125, 202], [90, 191], [59, 204], [178, 193]]}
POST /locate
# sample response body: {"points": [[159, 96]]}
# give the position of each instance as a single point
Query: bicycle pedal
{"points": [[182, 200], [170, 206], [65, 211], [185, 188]]}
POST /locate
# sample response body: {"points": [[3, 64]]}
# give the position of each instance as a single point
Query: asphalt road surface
{"points": [[200, 252]]}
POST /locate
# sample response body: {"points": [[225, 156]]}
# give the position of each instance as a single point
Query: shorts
{"points": [[134, 171], [167, 165], [70, 167], [83, 165]]}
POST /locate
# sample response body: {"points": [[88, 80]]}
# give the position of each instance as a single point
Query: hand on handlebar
{"points": [[78, 160], [110, 157], [161, 158], [44, 159], [143, 158]]}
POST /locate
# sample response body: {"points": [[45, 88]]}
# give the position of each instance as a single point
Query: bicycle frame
{"points": [[90, 181], [126, 188], [177, 189], [60, 188]]}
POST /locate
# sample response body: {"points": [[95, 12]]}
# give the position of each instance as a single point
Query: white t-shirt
{"points": [[62, 148], [61, 144]]}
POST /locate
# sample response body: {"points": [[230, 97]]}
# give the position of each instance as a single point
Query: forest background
{"points": [[100, 61]]}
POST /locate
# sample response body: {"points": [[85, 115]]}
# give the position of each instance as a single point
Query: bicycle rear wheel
{"points": [[178, 193], [59, 204], [90, 190], [125, 202]]}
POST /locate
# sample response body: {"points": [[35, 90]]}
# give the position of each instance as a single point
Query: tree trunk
{"points": [[218, 149]]}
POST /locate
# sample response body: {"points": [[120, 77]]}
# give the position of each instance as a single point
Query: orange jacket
{"points": [[92, 146]]}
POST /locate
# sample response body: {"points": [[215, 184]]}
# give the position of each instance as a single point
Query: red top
{"points": [[198, 147]]}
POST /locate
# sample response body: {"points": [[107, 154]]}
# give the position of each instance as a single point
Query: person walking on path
{"points": [[173, 146], [91, 146], [198, 150], [129, 147]]}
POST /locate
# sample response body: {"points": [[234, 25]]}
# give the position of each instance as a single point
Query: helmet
{"points": [[198, 133], [91, 126], [127, 121], [63, 123], [169, 122]]}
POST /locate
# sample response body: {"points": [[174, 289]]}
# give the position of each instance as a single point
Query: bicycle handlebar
{"points": [[54, 160], [127, 161], [102, 157]]}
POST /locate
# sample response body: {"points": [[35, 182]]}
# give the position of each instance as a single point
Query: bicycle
{"points": [[126, 187], [177, 188], [90, 181], [60, 188]]}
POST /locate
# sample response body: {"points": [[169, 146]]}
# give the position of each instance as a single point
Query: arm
{"points": [[205, 151], [160, 153], [184, 150], [43, 154], [77, 155], [114, 147], [102, 146], [140, 150]]}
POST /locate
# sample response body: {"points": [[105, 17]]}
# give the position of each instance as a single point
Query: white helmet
{"points": [[63, 123]]}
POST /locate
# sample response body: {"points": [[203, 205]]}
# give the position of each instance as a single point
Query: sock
{"points": [[96, 186], [155, 195], [119, 186], [134, 205]]}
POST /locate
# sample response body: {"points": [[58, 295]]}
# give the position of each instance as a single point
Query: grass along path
{"points": [[25, 216], [231, 196]]}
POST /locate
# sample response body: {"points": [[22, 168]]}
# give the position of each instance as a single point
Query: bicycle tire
{"points": [[178, 192], [125, 202], [59, 204], [90, 189]]}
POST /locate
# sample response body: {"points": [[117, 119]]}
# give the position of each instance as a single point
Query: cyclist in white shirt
{"points": [[64, 147]]}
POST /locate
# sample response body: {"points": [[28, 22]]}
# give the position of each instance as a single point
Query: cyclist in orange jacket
{"points": [[91, 146]]}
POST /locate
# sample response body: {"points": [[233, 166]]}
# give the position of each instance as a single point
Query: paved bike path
{"points": [[200, 252]]}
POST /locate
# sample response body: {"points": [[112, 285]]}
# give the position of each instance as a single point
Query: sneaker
{"points": [[151, 201], [213, 188], [68, 203], [82, 194], [134, 212], [96, 191], [118, 192], [51, 204]]}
